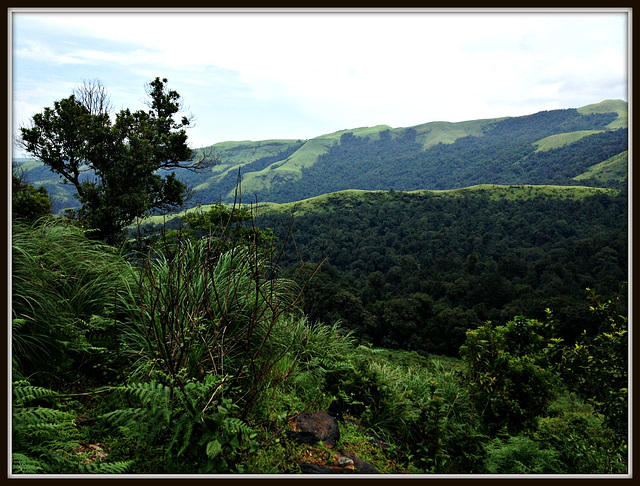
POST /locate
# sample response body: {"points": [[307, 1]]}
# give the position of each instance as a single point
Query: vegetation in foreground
{"points": [[191, 361]]}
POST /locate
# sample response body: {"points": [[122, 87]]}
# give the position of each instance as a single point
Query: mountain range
{"points": [[585, 146]]}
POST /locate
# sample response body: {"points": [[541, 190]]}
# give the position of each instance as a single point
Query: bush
{"points": [[520, 455]]}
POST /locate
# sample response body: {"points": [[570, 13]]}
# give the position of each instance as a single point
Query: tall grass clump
{"points": [[315, 354], [65, 294], [210, 332], [205, 312]]}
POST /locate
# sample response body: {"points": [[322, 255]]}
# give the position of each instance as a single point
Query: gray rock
{"points": [[315, 469], [319, 425]]}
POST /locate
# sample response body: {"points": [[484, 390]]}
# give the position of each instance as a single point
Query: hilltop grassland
{"points": [[621, 108], [343, 199], [433, 133]]}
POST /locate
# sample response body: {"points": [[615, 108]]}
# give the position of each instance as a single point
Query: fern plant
{"points": [[187, 427], [45, 439]]}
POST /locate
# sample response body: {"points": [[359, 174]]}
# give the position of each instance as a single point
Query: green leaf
{"points": [[213, 448]]}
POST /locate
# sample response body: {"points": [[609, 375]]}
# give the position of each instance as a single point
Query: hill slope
{"points": [[583, 146], [415, 270]]}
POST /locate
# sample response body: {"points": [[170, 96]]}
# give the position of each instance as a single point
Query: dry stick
{"points": [[213, 395]]}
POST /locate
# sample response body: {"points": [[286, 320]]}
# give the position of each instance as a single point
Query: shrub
{"points": [[520, 455]]}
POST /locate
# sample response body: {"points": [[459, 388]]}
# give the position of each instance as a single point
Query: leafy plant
{"points": [[597, 367], [191, 428], [46, 439], [508, 375], [28, 202], [584, 443], [521, 455]]}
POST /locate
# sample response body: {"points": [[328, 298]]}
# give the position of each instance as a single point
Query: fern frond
{"points": [[38, 415], [182, 432], [24, 392], [118, 467], [124, 416], [236, 426], [22, 464]]}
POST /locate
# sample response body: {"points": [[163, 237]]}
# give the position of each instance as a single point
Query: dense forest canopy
{"points": [[416, 270]]}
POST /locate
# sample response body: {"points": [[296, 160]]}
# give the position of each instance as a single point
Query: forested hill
{"points": [[585, 146], [416, 270]]}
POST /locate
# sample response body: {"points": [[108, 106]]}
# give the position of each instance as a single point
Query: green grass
{"points": [[562, 139], [610, 106], [525, 191], [615, 168], [433, 133], [305, 156]]}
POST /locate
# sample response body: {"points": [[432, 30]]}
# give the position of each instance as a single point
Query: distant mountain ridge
{"points": [[585, 146]]}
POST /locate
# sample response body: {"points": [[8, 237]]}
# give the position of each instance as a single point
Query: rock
{"points": [[315, 469], [361, 467], [316, 427], [303, 437], [345, 461]]}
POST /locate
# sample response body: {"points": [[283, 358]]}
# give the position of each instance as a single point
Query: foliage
{"points": [[65, 292], [416, 270], [28, 203], [192, 362], [46, 439], [508, 374], [597, 367], [422, 409], [584, 443], [520, 455], [227, 227], [78, 134], [196, 429], [210, 310]]}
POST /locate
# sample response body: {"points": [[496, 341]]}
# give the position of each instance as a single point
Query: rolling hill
{"points": [[585, 146]]}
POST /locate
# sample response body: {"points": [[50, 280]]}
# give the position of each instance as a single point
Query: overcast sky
{"points": [[263, 75]]}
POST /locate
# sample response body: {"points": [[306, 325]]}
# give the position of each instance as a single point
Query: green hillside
{"points": [[433, 133], [608, 106], [615, 168], [345, 200], [559, 147]]}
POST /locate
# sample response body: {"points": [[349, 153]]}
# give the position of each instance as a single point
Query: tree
{"points": [[28, 202], [124, 152]]}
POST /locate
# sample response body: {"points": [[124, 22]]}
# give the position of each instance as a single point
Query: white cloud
{"points": [[341, 70]]}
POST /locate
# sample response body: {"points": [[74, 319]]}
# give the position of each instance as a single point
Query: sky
{"points": [[298, 74]]}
